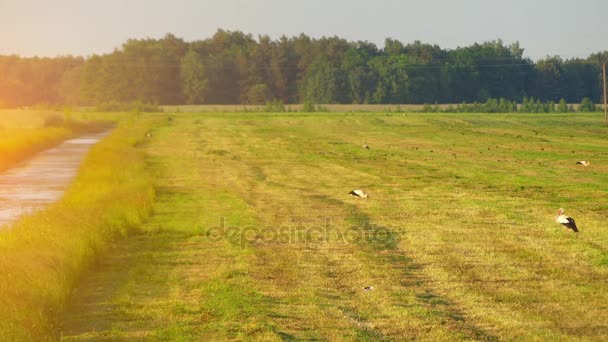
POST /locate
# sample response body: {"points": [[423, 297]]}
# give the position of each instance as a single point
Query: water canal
{"points": [[42, 180]]}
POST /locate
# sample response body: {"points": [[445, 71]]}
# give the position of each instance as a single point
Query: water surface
{"points": [[41, 180]]}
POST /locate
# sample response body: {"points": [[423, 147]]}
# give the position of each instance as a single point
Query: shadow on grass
{"points": [[129, 273], [382, 245]]}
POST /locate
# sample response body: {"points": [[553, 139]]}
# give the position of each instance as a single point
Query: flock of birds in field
{"points": [[566, 221]]}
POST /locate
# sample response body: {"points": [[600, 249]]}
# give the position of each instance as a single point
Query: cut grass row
{"points": [[457, 237], [43, 255]]}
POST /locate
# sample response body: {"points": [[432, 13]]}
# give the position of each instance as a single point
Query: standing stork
{"points": [[583, 162], [565, 220], [358, 193]]}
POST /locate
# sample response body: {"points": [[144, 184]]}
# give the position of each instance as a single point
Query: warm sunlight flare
{"points": [[271, 170]]}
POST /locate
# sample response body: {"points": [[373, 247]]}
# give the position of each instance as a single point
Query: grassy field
{"points": [[253, 235], [24, 132], [43, 255]]}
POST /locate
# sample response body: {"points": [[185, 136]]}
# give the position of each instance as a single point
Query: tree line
{"points": [[232, 67]]}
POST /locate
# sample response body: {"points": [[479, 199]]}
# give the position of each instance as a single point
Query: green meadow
{"points": [[238, 226]]}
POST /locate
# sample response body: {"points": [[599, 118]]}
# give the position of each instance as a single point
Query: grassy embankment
{"points": [[457, 237], [42, 255], [24, 133]]}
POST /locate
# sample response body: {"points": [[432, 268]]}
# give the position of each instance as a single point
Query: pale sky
{"points": [[84, 27]]}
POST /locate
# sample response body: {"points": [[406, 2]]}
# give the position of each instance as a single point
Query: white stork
{"points": [[358, 193], [368, 288], [366, 146], [565, 220], [583, 162]]}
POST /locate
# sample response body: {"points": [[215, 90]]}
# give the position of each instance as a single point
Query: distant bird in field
{"points": [[358, 193], [565, 220], [366, 146], [583, 162], [368, 288]]}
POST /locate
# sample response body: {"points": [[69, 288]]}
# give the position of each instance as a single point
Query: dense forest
{"points": [[236, 68]]}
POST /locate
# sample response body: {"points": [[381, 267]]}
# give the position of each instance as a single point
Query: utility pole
{"points": [[602, 57], [604, 78]]}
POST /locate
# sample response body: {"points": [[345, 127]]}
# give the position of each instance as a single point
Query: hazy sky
{"points": [[83, 27]]}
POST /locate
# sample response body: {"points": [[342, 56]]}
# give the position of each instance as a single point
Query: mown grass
{"points": [[25, 132], [457, 237], [43, 255]]}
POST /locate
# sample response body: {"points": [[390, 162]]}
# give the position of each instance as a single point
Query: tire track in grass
{"points": [[381, 247]]}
